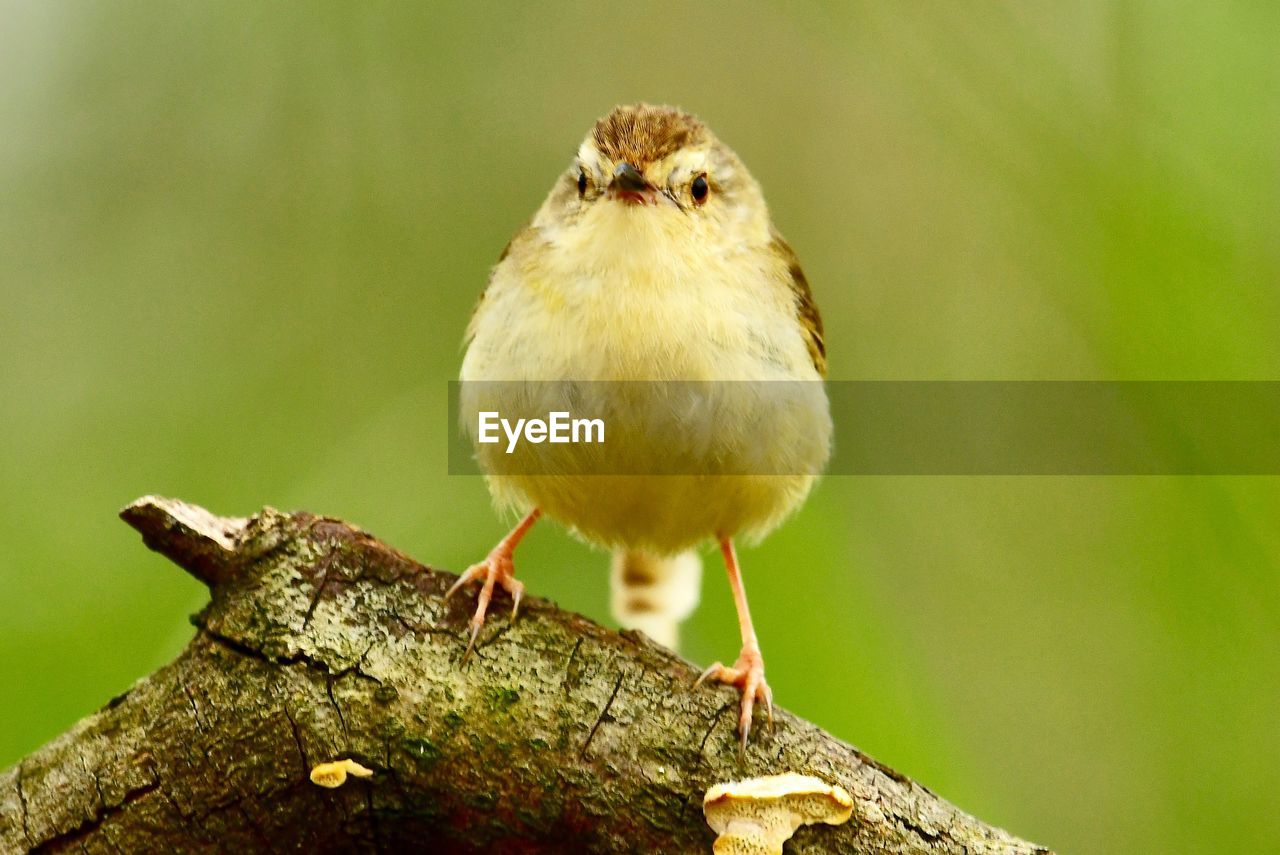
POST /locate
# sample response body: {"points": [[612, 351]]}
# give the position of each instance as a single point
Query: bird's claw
{"points": [[748, 675], [495, 569]]}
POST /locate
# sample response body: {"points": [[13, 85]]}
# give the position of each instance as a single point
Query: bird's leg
{"points": [[748, 672], [496, 568]]}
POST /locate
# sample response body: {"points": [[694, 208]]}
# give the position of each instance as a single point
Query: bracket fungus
{"points": [[756, 816], [334, 774]]}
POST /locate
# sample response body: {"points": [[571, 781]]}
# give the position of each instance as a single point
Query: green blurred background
{"points": [[239, 243]]}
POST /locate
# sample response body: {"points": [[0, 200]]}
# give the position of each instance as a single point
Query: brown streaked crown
{"points": [[641, 134]]}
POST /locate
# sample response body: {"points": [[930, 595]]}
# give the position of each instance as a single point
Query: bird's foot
{"points": [[496, 569], [748, 675]]}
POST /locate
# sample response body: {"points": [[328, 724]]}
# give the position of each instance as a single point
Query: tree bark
{"points": [[320, 643]]}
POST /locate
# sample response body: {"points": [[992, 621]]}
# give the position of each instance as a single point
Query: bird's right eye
{"points": [[699, 188], [582, 183]]}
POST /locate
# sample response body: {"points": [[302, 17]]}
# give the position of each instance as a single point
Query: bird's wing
{"points": [[806, 308], [520, 235]]}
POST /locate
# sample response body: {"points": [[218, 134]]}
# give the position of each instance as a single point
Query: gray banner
{"points": [[880, 428]]}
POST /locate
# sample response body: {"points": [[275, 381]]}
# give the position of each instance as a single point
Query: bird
{"points": [[652, 289]]}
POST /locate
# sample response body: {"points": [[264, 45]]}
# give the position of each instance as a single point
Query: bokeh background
{"points": [[239, 243]]}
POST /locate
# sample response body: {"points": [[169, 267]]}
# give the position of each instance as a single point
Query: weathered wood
{"points": [[321, 643]]}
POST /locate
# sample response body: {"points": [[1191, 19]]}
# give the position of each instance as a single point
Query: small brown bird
{"points": [[654, 259]]}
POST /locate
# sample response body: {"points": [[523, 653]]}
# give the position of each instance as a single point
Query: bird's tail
{"points": [[653, 593]]}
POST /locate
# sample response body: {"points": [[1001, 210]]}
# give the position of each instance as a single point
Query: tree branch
{"points": [[321, 643]]}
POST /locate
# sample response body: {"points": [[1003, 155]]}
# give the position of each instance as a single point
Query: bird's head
{"points": [[654, 170]]}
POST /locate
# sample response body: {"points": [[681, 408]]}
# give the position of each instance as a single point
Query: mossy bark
{"points": [[320, 643]]}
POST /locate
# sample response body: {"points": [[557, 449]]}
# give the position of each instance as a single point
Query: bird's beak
{"points": [[629, 185], [628, 179]]}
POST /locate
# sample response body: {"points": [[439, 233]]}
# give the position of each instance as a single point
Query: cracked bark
{"points": [[320, 642]]}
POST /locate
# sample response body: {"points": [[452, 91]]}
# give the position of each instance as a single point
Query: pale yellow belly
{"points": [[679, 462], [659, 513], [736, 467]]}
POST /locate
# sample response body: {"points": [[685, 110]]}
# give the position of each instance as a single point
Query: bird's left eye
{"points": [[582, 183], [700, 189]]}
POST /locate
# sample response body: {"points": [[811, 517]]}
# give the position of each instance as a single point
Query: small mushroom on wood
{"points": [[334, 774], [756, 816]]}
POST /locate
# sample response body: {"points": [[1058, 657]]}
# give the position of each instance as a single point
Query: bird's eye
{"points": [[582, 183], [699, 188]]}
